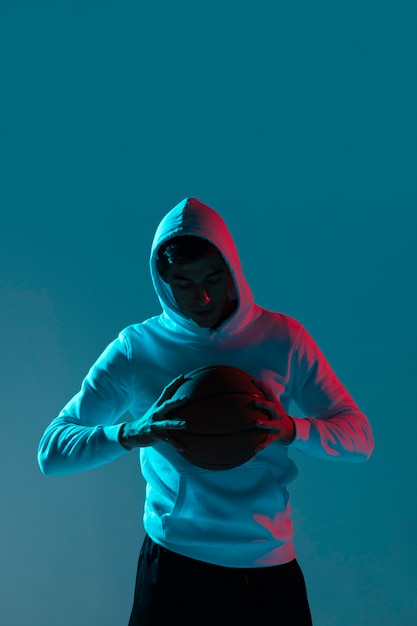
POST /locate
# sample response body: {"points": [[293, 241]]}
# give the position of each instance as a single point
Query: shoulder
{"points": [[282, 324], [134, 337]]}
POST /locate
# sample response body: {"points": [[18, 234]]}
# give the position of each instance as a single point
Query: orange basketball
{"points": [[221, 431]]}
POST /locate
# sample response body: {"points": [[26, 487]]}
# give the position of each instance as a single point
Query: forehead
{"points": [[198, 269]]}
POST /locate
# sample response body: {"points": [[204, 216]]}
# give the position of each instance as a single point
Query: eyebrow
{"points": [[178, 277]]}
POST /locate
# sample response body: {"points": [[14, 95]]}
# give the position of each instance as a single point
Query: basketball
{"points": [[221, 431]]}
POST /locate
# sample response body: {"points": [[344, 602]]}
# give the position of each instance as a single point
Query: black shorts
{"points": [[174, 589]]}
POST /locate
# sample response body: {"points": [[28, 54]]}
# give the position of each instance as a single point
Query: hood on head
{"points": [[192, 217]]}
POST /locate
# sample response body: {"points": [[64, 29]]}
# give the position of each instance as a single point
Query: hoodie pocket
{"points": [[244, 504]]}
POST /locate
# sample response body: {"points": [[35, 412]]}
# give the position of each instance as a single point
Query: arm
{"points": [[334, 428], [85, 434]]}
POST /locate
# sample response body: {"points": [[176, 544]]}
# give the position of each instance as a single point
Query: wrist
{"points": [[124, 440], [290, 436]]}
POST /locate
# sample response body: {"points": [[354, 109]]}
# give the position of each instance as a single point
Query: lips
{"points": [[205, 312]]}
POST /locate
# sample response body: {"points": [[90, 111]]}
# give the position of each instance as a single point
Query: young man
{"points": [[218, 547]]}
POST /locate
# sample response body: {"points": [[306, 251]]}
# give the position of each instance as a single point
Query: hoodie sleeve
{"points": [[84, 434], [334, 428]]}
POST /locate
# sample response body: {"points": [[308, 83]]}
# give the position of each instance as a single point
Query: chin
{"points": [[206, 322]]}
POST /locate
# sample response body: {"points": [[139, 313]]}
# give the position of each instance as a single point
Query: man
{"points": [[218, 547]]}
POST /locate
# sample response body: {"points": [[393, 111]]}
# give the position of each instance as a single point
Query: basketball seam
{"points": [[225, 393]]}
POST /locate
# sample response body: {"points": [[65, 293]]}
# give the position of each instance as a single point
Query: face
{"points": [[201, 290]]}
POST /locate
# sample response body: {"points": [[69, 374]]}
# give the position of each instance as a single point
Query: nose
{"points": [[202, 297]]}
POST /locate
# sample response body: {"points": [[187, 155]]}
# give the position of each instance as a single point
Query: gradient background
{"points": [[297, 122]]}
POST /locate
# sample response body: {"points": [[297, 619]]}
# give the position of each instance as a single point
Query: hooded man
{"points": [[219, 544]]}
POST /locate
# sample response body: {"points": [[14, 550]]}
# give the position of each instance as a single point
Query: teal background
{"points": [[296, 121]]}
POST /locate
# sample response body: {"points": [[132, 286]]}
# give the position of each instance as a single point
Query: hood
{"points": [[192, 217]]}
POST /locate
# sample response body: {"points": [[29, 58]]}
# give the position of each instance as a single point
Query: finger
{"points": [[172, 388], [266, 390], [271, 426], [178, 382], [158, 428], [268, 408], [164, 434], [170, 405], [176, 425]]}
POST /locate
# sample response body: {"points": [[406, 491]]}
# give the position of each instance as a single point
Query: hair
{"points": [[181, 250]]}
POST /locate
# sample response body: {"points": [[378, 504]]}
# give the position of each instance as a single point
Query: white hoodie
{"points": [[238, 517]]}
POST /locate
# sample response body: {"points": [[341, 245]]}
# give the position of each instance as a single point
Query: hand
{"points": [[150, 429], [281, 426]]}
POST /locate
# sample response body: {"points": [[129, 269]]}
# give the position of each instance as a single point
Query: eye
{"points": [[215, 278], [183, 285]]}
